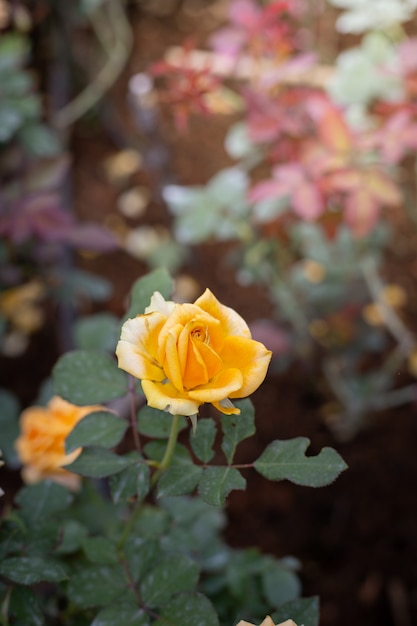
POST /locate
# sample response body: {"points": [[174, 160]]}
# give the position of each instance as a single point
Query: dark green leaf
{"points": [[97, 585], [188, 609], [29, 570], [101, 428], [203, 439], [100, 550], [155, 423], [132, 481], [143, 288], [124, 612], [302, 611], [237, 427], [279, 584], [88, 377], [179, 480], [174, 573], [9, 426], [217, 482], [286, 460], [97, 332], [43, 500], [152, 522], [141, 554], [71, 537], [98, 463], [25, 608]]}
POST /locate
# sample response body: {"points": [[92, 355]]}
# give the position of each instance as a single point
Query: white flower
{"points": [[363, 15]]}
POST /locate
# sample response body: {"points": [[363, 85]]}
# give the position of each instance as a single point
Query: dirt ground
{"points": [[357, 538]]}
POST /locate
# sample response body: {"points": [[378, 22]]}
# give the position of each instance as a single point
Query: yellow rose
{"points": [[188, 354], [41, 444]]}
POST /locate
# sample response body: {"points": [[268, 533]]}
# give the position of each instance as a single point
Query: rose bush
{"points": [[189, 354], [41, 444]]}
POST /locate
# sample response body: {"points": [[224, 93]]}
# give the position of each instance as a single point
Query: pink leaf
{"points": [[93, 237], [361, 212], [307, 202]]}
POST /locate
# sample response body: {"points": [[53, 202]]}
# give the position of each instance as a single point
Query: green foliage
{"points": [[100, 428], [301, 611], [142, 290], [97, 332], [9, 426], [286, 460], [111, 555], [87, 377]]}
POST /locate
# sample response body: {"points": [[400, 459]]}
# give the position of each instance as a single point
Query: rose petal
{"points": [[232, 323], [222, 386], [251, 357], [137, 350], [166, 397]]}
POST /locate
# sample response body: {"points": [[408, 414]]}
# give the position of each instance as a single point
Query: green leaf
{"points": [[155, 450], [279, 584], [122, 612], [97, 462], [96, 585], [151, 523], [130, 482], [29, 570], [141, 554], [71, 537], [88, 377], [143, 288], [101, 428], [13, 51], [203, 439], [179, 480], [9, 426], [237, 427], [217, 482], [174, 573], [39, 140], [155, 423], [303, 611], [100, 550], [286, 460], [43, 500], [25, 608], [188, 609], [97, 332]]}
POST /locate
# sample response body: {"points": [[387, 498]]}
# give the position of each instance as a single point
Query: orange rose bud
{"points": [[41, 444]]}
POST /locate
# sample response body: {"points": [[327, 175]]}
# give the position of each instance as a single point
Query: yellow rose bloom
{"points": [[41, 444], [189, 354]]}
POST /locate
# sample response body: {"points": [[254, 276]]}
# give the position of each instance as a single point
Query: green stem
{"points": [[166, 461]]}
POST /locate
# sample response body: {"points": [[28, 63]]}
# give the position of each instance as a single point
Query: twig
{"points": [[105, 78]]}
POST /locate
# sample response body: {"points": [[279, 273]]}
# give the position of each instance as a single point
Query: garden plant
{"points": [[119, 463]]}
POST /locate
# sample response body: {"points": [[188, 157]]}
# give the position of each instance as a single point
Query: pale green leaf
{"points": [[217, 482], [286, 460]]}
